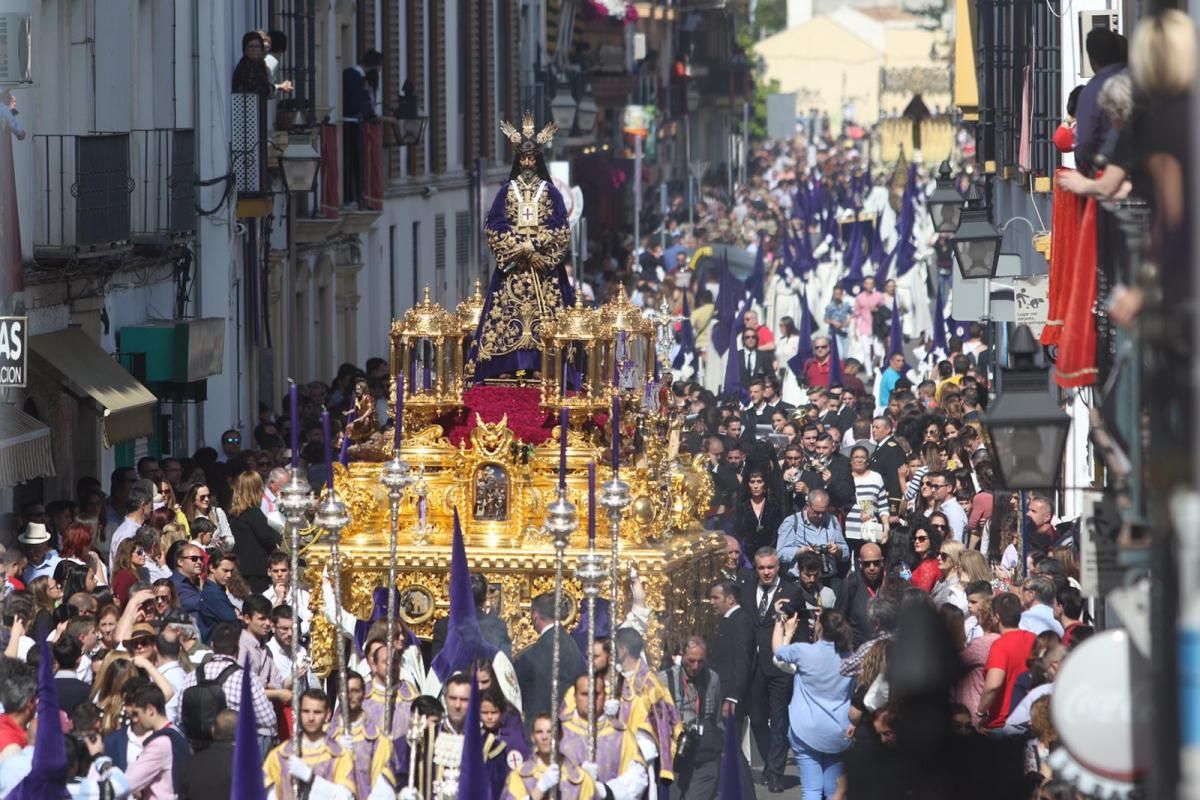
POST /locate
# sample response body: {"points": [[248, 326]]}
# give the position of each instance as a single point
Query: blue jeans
{"points": [[819, 772]]}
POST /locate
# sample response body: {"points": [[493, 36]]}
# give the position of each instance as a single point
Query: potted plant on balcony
{"points": [[286, 110]]}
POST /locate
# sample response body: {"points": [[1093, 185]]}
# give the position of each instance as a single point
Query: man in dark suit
{"points": [[71, 691], [830, 470], [770, 688], [752, 360], [358, 107], [491, 628], [534, 665], [887, 460], [733, 648]]}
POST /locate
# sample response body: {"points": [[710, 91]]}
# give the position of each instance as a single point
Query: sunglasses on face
{"points": [[920, 538], [939, 528], [874, 562], [820, 347], [137, 644], [139, 551], [942, 557], [191, 558]]}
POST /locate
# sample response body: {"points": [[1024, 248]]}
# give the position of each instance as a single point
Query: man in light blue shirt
{"points": [[813, 529], [1037, 595], [890, 377]]}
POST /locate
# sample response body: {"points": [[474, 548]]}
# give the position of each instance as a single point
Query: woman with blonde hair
{"points": [[948, 589], [253, 537], [115, 671], [972, 567], [46, 594]]}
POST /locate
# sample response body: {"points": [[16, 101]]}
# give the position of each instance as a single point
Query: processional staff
{"points": [[397, 477]]}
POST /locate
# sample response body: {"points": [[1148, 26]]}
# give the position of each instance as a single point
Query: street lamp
{"points": [[299, 163], [1026, 426], [945, 204], [563, 107], [976, 241], [588, 111], [410, 129]]}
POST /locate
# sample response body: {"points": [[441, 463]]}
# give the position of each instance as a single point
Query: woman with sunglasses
{"points": [[948, 590], [166, 598], [129, 565], [46, 593], [198, 503], [867, 519], [926, 543]]}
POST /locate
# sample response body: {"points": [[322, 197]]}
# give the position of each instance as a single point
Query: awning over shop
{"points": [[24, 447], [90, 373], [966, 82]]}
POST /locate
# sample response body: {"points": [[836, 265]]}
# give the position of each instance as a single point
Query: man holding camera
{"points": [[814, 530], [697, 692]]}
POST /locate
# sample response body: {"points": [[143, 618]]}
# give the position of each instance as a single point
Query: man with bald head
{"points": [[858, 589]]}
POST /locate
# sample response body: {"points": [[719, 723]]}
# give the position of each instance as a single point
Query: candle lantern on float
{"points": [[426, 351], [628, 352], [573, 368], [467, 316]]}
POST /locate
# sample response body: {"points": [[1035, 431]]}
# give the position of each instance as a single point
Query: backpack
{"points": [[201, 703], [881, 322]]}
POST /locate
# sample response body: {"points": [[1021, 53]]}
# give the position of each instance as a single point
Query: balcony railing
{"points": [[163, 176], [249, 144], [83, 186]]}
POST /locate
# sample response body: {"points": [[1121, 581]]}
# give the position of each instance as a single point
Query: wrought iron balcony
{"points": [[249, 145], [164, 177], [83, 186]]}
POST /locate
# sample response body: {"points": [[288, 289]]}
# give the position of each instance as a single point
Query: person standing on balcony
{"points": [[251, 76], [357, 108], [1106, 52]]}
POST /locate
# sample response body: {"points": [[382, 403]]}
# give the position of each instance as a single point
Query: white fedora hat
{"points": [[34, 533]]}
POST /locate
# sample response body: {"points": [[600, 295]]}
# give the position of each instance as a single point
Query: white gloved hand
{"points": [[549, 779], [346, 741], [591, 768], [407, 793], [299, 770], [612, 708]]}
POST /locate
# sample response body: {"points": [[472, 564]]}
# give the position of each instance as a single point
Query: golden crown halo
{"points": [[526, 134]]}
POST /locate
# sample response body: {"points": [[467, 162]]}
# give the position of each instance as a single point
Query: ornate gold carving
{"points": [[468, 312]]}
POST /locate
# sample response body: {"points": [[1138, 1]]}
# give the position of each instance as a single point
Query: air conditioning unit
{"points": [[1089, 20], [16, 49]]}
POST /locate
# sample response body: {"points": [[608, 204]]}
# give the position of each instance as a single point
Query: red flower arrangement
{"points": [[527, 420]]}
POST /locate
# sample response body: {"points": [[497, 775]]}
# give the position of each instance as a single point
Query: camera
{"points": [[687, 744], [788, 609]]}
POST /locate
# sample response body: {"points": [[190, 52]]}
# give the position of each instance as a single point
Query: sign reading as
{"points": [[14, 356]]}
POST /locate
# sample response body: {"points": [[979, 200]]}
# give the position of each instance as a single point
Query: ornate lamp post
{"points": [[397, 477], [562, 520], [333, 516], [295, 501]]}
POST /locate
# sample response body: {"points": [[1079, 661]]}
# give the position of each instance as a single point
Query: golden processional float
{"points": [[499, 453]]}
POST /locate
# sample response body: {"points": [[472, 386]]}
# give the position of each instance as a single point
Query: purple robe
{"points": [[324, 770], [366, 742], [609, 741], [570, 787]]}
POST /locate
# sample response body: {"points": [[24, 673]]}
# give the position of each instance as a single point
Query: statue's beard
{"points": [[527, 173]]}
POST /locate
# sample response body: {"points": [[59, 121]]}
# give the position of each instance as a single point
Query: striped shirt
{"points": [[870, 493], [913, 488]]}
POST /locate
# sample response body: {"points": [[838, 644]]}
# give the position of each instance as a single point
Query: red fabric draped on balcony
{"points": [[1076, 364], [331, 184], [372, 165], [1064, 226]]}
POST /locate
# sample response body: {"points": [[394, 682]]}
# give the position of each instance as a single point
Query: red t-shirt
{"points": [[765, 338], [1009, 653], [11, 733]]}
